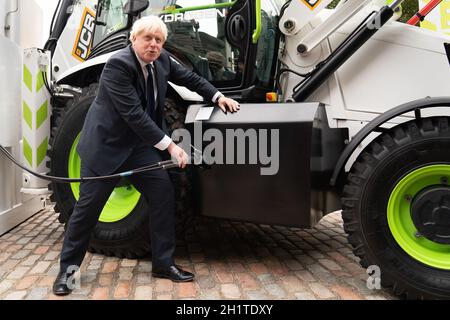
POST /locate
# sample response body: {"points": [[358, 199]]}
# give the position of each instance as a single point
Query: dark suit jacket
{"points": [[117, 122]]}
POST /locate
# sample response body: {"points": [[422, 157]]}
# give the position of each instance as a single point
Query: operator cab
{"points": [[215, 39]]}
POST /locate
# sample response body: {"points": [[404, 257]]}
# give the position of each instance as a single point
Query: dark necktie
{"points": [[150, 94]]}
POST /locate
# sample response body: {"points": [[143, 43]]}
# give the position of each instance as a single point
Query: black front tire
{"points": [[378, 170]]}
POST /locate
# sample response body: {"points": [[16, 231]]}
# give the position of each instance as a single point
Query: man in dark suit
{"points": [[125, 129]]}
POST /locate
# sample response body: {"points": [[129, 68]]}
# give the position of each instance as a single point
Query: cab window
{"points": [[197, 38], [110, 18]]}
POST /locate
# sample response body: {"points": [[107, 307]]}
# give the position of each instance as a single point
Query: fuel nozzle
{"points": [[196, 155]]}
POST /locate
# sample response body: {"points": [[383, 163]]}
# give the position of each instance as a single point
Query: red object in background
{"points": [[423, 12]]}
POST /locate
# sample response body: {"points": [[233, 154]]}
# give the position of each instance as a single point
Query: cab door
{"points": [[215, 38]]}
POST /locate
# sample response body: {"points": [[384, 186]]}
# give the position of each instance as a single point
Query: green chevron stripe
{"points": [[42, 151], [27, 152], [27, 115], [41, 114], [27, 78], [39, 81]]}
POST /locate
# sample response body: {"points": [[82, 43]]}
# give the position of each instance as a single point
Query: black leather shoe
{"points": [[61, 285], [173, 273]]}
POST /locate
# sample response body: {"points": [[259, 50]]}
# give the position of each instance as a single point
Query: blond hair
{"points": [[148, 24]]}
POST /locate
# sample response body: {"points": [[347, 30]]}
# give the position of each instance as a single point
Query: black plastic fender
{"points": [[375, 126]]}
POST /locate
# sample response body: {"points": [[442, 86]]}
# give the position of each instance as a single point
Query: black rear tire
{"points": [[175, 113], [127, 237], [390, 159]]}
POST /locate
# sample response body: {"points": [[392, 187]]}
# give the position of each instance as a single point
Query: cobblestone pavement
{"points": [[231, 260]]}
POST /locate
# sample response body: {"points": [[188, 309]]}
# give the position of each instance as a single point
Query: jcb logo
{"points": [[83, 40], [311, 4]]}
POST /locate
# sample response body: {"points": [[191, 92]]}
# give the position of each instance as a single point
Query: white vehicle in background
{"points": [[15, 205]]}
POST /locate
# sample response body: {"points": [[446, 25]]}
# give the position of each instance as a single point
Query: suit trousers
{"points": [[157, 189]]}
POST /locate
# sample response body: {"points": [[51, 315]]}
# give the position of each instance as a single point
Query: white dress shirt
{"points": [[165, 141]]}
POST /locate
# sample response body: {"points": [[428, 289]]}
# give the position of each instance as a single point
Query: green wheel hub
{"points": [[400, 219], [122, 200]]}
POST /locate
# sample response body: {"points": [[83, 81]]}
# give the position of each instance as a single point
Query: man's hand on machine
{"points": [[229, 104], [178, 155]]}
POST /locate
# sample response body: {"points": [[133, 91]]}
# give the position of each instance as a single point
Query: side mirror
{"points": [[134, 7]]}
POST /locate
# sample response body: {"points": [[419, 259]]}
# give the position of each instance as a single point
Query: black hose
{"points": [[58, 6], [164, 165], [284, 7]]}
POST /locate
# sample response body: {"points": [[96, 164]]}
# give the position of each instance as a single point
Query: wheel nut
{"points": [[444, 180], [408, 198], [301, 48], [417, 234], [289, 25]]}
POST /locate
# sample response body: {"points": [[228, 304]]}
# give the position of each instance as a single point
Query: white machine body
{"points": [[394, 67]]}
